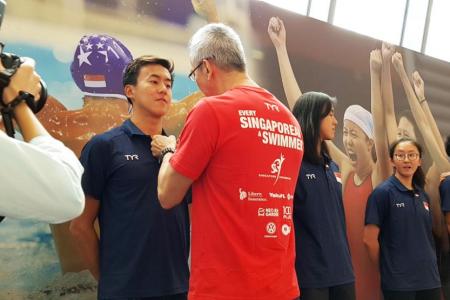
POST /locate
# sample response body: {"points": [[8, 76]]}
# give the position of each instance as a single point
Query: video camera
{"points": [[12, 62]]}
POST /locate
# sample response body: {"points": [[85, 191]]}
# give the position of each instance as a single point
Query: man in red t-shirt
{"points": [[241, 150]]}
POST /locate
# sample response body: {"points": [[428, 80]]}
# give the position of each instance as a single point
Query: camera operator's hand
{"points": [[25, 79]]}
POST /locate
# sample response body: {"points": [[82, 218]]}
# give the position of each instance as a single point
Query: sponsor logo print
{"points": [[268, 212], [400, 204], [251, 196], [290, 197], [271, 228], [287, 212], [286, 229], [425, 204], [242, 194], [131, 157], [277, 195]]}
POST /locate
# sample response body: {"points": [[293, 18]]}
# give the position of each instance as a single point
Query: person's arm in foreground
{"points": [[40, 180]]}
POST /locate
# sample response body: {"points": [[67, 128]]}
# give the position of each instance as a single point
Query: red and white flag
{"points": [[338, 177], [96, 81]]}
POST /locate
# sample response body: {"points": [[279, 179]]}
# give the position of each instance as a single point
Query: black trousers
{"points": [[338, 292], [432, 294]]}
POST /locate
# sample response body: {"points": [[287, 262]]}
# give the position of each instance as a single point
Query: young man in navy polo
{"points": [[143, 249]]}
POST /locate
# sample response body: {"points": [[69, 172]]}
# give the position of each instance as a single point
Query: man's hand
{"points": [[387, 50], [419, 87], [25, 79], [277, 32], [375, 61], [159, 142]]}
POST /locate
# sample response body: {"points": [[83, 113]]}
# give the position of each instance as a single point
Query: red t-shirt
{"points": [[243, 150]]}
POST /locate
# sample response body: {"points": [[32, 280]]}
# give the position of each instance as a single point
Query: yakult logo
{"points": [[276, 167]]}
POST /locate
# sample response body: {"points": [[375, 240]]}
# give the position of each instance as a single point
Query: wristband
{"points": [[164, 152], [7, 111]]}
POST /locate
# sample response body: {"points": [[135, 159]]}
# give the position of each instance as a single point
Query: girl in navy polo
{"points": [[398, 231], [323, 262]]}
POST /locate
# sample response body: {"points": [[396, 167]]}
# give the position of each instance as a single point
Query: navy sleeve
{"points": [[94, 158], [375, 209], [444, 191]]}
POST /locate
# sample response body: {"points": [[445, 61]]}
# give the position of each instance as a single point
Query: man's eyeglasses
{"points": [[192, 74], [403, 156]]}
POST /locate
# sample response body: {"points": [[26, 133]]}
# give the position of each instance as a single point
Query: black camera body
{"points": [[11, 63]]}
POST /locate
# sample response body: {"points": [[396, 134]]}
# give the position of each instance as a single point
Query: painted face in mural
{"points": [[406, 129], [328, 126], [356, 143]]}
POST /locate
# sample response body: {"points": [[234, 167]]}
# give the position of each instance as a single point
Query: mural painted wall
{"points": [[41, 262]]}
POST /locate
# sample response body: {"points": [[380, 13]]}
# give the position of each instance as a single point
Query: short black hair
{"points": [[132, 70]]}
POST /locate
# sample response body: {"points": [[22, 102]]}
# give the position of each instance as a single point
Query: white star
{"points": [[99, 45], [105, 53], [83, 57], [85, 39], [89, 46], [102, 39]]}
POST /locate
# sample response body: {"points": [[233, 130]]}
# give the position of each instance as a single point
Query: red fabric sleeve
{"points": [[197, 142]]}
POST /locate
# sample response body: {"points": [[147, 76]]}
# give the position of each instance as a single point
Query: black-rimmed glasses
{"points": [[192, 74], [411, 156]]}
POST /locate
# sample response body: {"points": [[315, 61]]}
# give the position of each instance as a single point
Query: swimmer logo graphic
{"points": [[276, 167], [274, 172]]}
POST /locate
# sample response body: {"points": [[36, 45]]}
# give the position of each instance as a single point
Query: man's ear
{"points": [[129, 91], [208, 67]]}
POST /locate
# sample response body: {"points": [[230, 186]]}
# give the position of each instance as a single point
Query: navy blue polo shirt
{"points": [[444, 191], [407, 252], [322, 251], [143, 248]]}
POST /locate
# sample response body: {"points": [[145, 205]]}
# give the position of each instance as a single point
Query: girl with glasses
{"points": [[398, 231]]}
